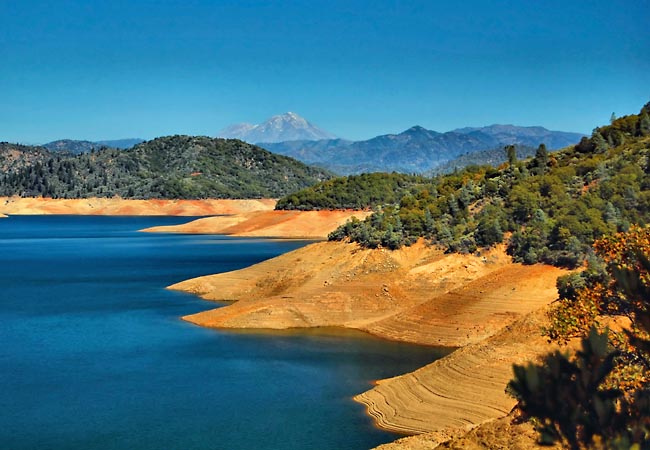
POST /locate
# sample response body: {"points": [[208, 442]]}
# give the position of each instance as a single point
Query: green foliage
{"points": [[540, 162], [571, 403], [489, 231], [511, 152], [16, 157], [569, 285], [644, 123], [168, 167], [356, 192], [615, 282], [422, 201], [600, 398], [493, 157]]}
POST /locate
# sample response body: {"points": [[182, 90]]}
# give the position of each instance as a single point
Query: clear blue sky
{"points": [[96, 70]]}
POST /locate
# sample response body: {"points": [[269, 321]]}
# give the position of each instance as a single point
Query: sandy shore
{"points": [[121, 207], [417, 294], [279, 224]]}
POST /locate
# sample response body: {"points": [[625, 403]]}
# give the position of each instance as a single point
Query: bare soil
{"points": [[485, 304], [121, 207], [279, 224]]}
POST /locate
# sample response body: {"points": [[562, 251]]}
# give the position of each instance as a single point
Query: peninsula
{"points": [[264, 223], [415, 294]]}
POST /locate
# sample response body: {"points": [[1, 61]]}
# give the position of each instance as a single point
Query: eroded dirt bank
{"points": [[121, 207], [462, 390], [281, 224], [417, 294]]}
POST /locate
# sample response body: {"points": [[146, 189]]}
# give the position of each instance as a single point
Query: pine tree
{"points": [[599, 142], [541, 159], [644, 123], [511, 151]]}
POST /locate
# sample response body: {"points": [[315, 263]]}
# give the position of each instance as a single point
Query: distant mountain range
{"points": [[416, 150], [531, 136], [284, 127], [76, 147], [491, 157]]}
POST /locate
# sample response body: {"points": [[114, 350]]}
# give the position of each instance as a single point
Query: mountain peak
{"points": [[417, 129], [284, 127]]}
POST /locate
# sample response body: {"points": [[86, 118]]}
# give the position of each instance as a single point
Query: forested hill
{"points": [[371, 190], [166, 167], [365, 191], [553, 206]]}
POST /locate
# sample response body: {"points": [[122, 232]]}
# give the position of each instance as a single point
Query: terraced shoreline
{"points": [[485, 304]]}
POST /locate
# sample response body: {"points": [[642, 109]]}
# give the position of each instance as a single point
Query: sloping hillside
{"points": [[169, 167], [549, 208], [15, 158]]}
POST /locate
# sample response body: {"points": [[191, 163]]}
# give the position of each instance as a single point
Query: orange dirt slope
{"points": [[416, 294]]}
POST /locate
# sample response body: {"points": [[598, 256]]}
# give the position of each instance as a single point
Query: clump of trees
{"points": [[365, 191], [599, 397]]}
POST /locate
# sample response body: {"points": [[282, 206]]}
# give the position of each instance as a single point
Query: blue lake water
{"points": [[93, 354]]}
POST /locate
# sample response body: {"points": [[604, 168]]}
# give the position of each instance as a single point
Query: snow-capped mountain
{"points": [[285, 127]]}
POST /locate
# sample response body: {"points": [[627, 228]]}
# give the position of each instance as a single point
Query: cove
{"points": [[94, 355]]}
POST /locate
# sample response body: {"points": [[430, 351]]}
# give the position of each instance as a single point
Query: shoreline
{"points": [[313, 225], [232, 217], [486, 306], [121, 207]]}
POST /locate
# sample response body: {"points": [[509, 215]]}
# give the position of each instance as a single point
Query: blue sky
{"points": [[114, 69]]}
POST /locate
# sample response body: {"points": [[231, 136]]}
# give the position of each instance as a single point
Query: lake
{"points": [[94, 355]]}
